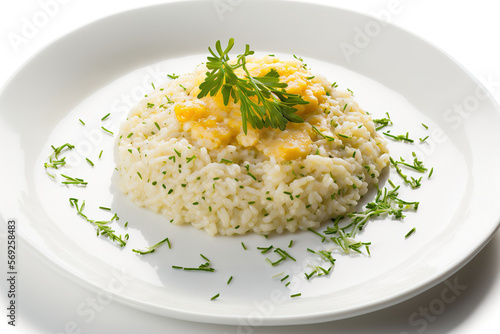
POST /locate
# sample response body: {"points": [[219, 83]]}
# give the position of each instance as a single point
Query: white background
{"points": [[466, 30]]}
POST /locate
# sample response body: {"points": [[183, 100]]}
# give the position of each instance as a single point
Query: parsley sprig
{"points": [[264, 101]]}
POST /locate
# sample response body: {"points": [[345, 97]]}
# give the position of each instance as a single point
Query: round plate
{"points": [[108, 65]]}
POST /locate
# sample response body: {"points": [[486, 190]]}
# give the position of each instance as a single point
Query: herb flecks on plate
{"points": [[100, 225], [153, 248], [54, 161]]}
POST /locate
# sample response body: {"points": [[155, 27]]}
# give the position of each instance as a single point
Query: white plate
{"points": [[105, 66]]}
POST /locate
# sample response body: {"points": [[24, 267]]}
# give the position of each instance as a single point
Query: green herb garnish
{"points": [[107, 131], [417, 164], [202, 267], [386, 203], [152, 248], [410, 233], [273, 108], [73, 180], [100, 225], [54, 160], [383, 122], [399, 137]]}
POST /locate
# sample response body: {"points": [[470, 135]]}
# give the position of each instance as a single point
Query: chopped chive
{"points": [[157, 126], [296, 295], [215, 297], [152, 84], [182, 87], [102, 119], [322, 135], [177, 267], [170, 191], [290, 244], [73, 180], [225, 161], [284, 254], [90, 162], [243, 245], [423, 139], [139, 175], [399, 137], [104, 208], [107, 131], [430, 173], [100, 154], [410, 233], [425, 126], [317, 233], [284, 278], [130, 134], [151, 249], [343, 136], [264, 250], [251, 175], [201, 268], [81, 121], [172, 76], [277, 275], [230, 279]]}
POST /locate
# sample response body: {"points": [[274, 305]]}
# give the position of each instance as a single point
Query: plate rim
{"points": [[276, 320]]}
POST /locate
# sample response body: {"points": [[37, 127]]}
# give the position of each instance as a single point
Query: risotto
{"points": [[189, 159]]}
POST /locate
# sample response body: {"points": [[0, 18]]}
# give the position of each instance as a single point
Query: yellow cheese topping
{"points": [[215, 125]]}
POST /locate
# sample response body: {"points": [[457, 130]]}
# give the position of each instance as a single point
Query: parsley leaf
{"points": [[273, 107]]}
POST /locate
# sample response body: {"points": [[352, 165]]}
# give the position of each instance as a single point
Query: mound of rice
{"points": [[188, 159]]}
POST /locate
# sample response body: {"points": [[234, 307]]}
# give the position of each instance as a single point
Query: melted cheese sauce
{"points": [[218, 125]]}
